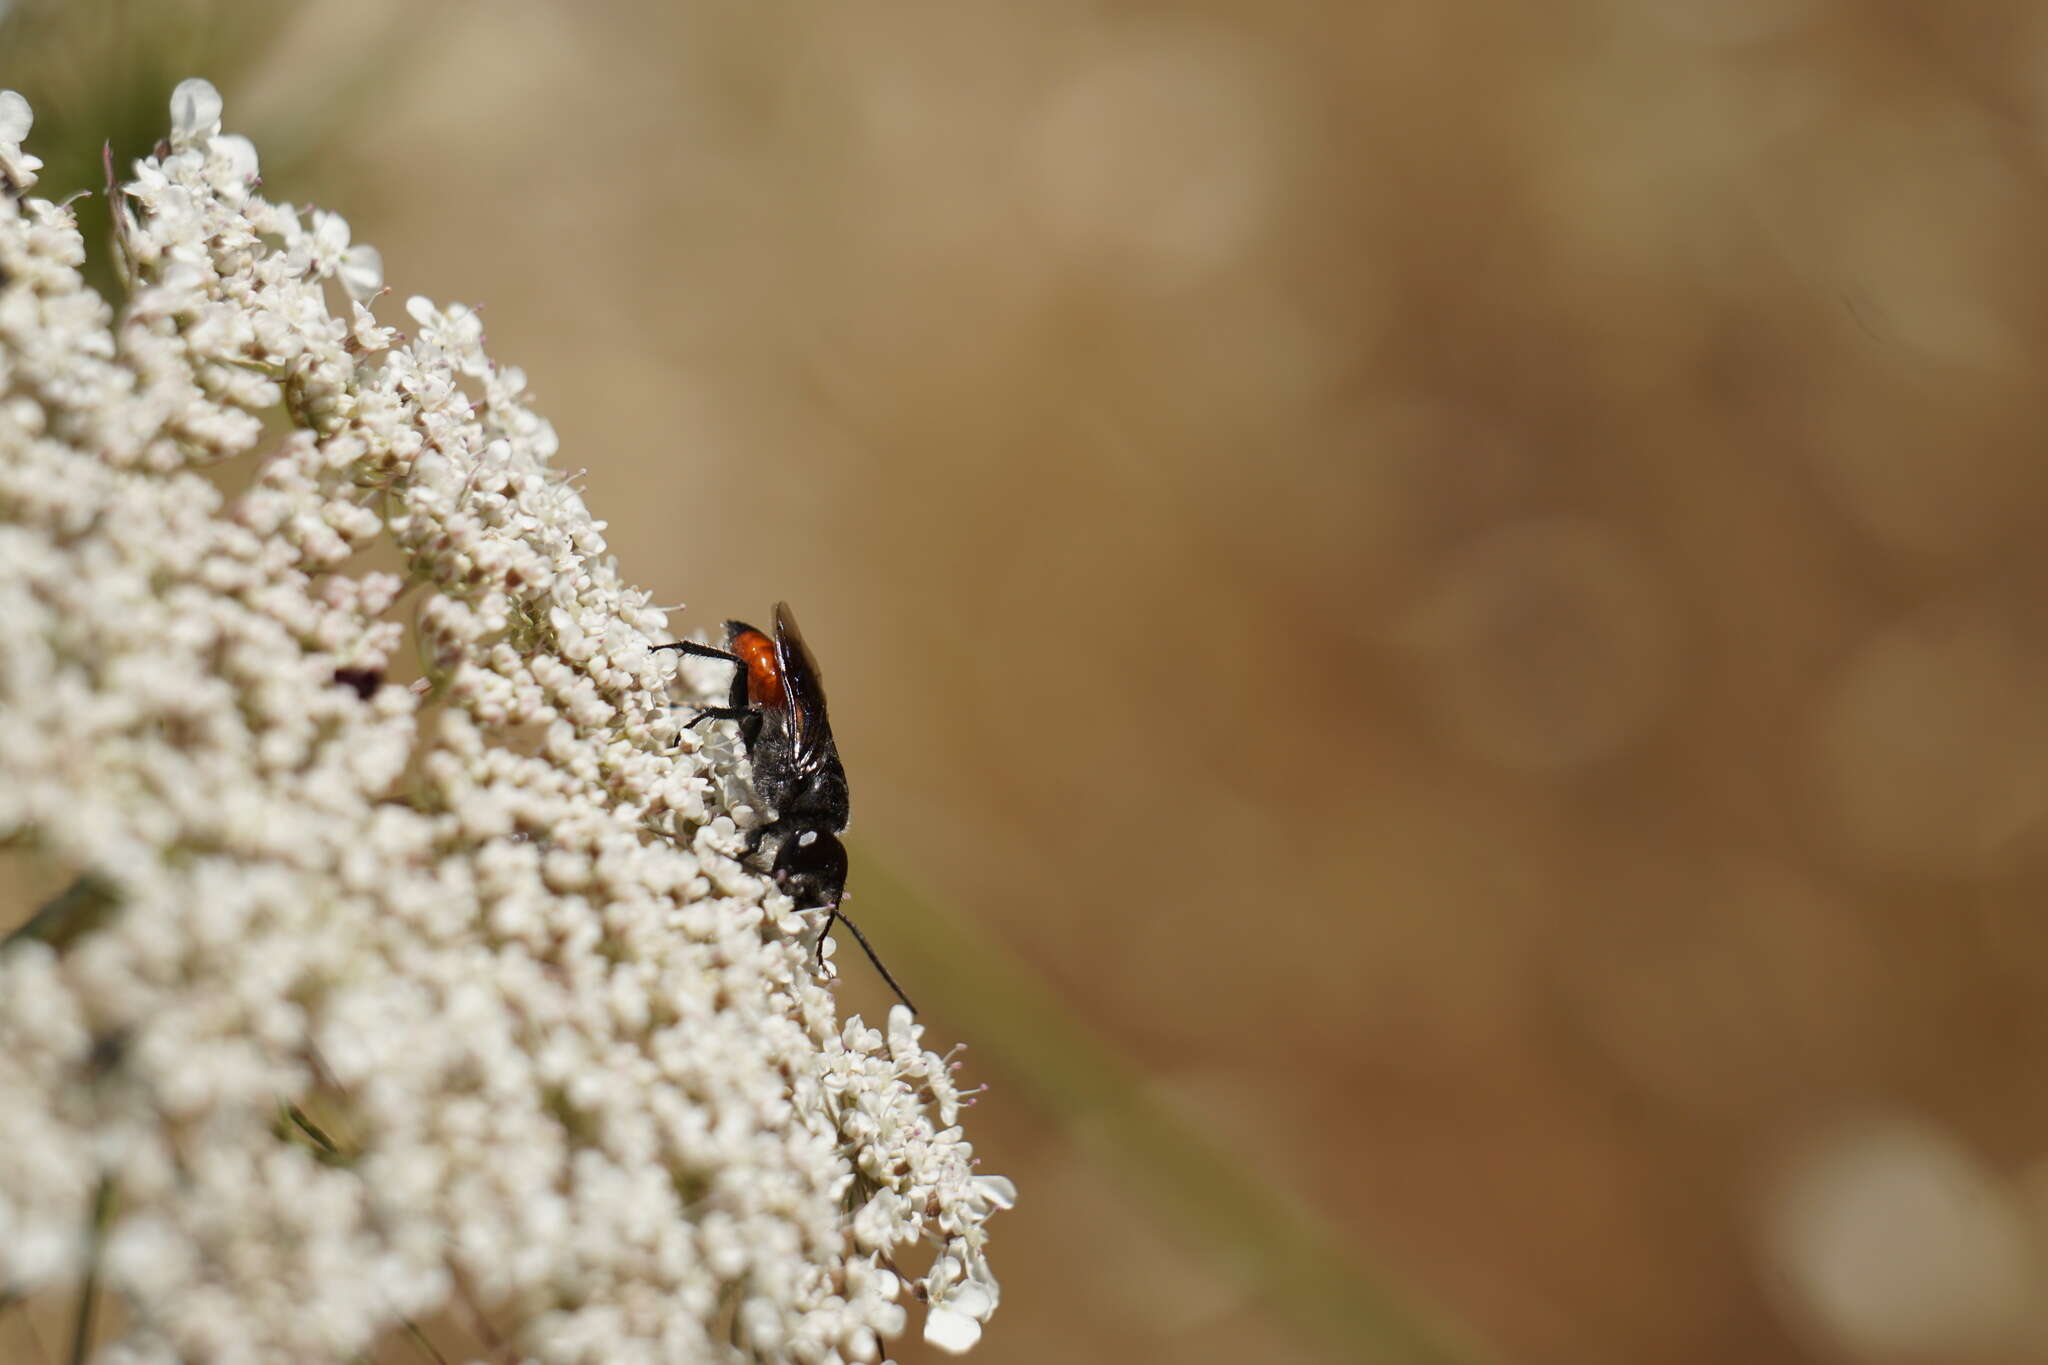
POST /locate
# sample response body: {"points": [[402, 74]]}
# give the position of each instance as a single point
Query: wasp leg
{"points": [[736, 707], [701, 651]]}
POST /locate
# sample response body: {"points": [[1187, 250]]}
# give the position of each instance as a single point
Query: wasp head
{"points": [[811, 867]]}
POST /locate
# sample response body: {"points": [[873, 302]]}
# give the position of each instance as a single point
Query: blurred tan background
{"points": [[1461, 584]]}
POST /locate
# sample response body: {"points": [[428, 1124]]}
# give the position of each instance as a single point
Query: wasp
{"points": [[778, 702]]}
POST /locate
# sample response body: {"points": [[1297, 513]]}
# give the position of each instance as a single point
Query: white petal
{"points": [[950, 1331], [240, 155], [972, 1300], [362, 273], [330, 232], [195, 111], [16, 118]]}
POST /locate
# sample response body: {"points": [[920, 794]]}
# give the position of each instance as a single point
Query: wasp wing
{"points": [[803, 691]]}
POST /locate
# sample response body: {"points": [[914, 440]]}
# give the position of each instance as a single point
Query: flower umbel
{"points": [[390, 1001]]}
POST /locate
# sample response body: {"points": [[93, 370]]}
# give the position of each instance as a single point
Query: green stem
{"points": [[89, 1293], [1294, 1260], [79, 909]]}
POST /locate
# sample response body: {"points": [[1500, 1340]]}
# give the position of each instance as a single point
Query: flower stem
{"points": [[1295, 1261]]}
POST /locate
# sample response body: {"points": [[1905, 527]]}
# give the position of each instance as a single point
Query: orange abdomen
{"points": [[764, 675]]}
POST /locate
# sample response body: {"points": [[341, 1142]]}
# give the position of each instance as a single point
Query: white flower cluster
{"points": [[400, 1002]]}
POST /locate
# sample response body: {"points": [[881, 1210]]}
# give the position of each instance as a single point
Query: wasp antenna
{"points": [[862, 939]]}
